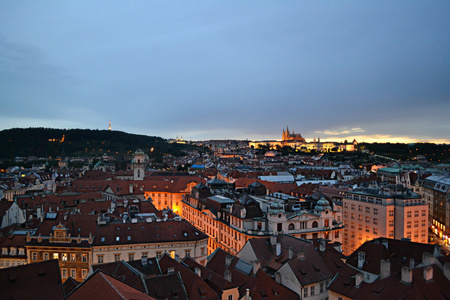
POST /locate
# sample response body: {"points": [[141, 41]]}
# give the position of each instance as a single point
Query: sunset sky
{"points": [[374, 71]]}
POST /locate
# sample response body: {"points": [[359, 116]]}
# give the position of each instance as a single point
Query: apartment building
{"points": [[436, 189], [391, 212]]}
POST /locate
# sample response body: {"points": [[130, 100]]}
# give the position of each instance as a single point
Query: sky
{"points": [[374, 71]]}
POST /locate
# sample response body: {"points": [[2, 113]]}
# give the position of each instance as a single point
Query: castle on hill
{"points": [[295, 140]]}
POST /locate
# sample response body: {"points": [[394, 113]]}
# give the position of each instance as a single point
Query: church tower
{"points": [[138, 164]]}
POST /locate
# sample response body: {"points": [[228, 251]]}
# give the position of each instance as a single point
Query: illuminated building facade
{"points": [[383, 212], [436, 189]]}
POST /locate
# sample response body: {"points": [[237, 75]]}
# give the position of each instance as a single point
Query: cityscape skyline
{"points": [[374, 72]]}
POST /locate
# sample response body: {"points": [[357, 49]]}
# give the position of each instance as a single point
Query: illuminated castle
{"points": [[291, 137]]}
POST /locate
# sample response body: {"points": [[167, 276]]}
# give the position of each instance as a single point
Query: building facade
{"points": [[383, 212]]}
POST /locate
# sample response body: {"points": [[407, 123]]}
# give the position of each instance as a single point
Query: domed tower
{"points": [[138, 164]]}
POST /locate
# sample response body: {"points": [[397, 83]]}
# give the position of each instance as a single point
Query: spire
{"points": [[109, 126]]}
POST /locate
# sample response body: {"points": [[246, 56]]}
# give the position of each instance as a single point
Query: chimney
{"points": [[301, 255], [273, 240], [291, 253], [322, 245], [426, 258], [447, 270], [411, 263], [247, 294], [428, 273], [228, 260], [131, 188], [278, 249], [385, 269], [358, 279], [198, 272], [361, 259], [144, 261], [385, 243], [406, 275], [227, 275], [256, 265]]}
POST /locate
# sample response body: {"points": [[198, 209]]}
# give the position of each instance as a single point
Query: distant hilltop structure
{"points": [[291, 137], [295, 140]]}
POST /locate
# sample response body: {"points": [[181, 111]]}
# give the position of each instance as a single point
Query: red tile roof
{"points": [[32, 281], [101, 285]]}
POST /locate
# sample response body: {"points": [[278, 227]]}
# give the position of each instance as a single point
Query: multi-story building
{"points": [[383, 212], [67, 238], [231, 222], [147, 235], [436, 189]]}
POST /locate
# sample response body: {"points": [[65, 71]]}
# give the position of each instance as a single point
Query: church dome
{"points": [[322, 205]]}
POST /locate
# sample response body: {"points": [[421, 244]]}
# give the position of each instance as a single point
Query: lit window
{"points": [[84, 273], [64, 257], [73, 257], [84, 258], [55, 256]]}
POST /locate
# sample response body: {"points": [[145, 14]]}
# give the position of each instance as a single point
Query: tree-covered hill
{"points": [[48, 142]]}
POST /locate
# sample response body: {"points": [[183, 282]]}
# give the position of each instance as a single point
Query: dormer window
{"points": [[4, 251], [102, 239], [117, 238]]}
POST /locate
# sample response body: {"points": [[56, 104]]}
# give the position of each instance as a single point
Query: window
{"points": [[73, 257], [64, 257], [416, 223], [408, 234], [391, 233], [305, 292], [100, 259], [116, 257], [279, 226], [375, 211], [187, 252], [202, 251], [360, 227], [73, 273], [55, 256], [375, 231], [375, 221], [424, 213], [367, 210], [315, 235], [64, 273], [84, 273], [46, 256], [423, 223], [291, 226], [408, 224], [359, 217], [353, 216], [359, 208], [408, 214], [391, 222], [416, 213], [367, 229], [158, 254], [391, 213], [359, 236], [336, 234], [353, 206], [321, 287], [84, 257], [34, 256], [312, 291], [130, 256], [367, 219], [4, 251], [144, 255], [315, 224]]}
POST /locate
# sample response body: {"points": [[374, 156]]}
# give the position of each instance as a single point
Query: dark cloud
{"points": [[228, 70]]}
